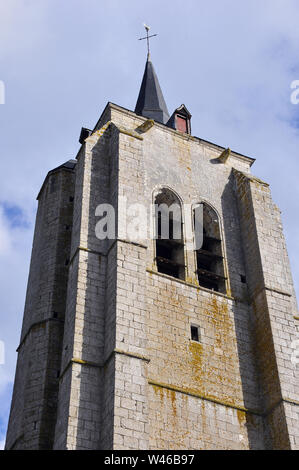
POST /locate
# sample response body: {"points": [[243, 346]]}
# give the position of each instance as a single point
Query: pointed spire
{"points": [[151, 103]]}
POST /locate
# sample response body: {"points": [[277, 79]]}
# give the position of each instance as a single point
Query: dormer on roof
{"points": [[180, 120]]}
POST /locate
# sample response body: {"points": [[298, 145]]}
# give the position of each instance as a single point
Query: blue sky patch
{"points": [[5, 397], [15, 215]]}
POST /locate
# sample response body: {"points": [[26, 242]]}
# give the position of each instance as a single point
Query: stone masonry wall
{"points": [[169, 362], [274, 305], [81, 393], [130, 375], [33, 411]]}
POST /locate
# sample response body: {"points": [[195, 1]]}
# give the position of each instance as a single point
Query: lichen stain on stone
{"points": [[172, 395], [205, 427], [241, 415], [207, 377], [159, 391], [168, 403], [196, 351], [223, 328], [203, 418], [218, 313], [194, 366], [179, 435]]}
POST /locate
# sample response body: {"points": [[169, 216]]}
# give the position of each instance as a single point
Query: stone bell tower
{"points": [[156, 343]]}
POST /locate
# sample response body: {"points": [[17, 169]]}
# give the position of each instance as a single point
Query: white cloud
{"points": [[5, 239], [2, 444], [15, 248]]}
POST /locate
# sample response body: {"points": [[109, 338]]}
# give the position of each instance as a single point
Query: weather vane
{"points": [[147, 28]]}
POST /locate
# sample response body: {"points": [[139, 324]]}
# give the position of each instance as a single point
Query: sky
{"points": [[231, 63]]}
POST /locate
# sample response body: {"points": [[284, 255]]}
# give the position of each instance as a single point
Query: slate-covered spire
{"points": [[151, 103]]}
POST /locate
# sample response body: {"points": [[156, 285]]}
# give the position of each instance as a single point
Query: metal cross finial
{"points": [[147, 28]]}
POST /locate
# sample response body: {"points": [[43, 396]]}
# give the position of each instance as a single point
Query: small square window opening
{"points": [[195, 333]]}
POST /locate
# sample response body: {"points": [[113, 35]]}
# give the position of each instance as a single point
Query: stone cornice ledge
{"points": [[99, 365], [194, 393], [186, 283]]}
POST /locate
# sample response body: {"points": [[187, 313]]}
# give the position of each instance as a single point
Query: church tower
{"points": [[158, 342]]}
